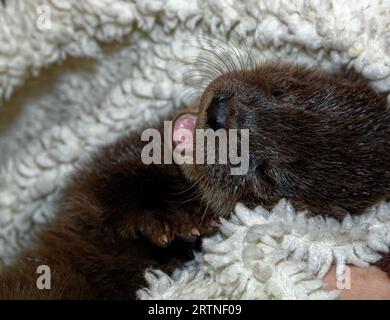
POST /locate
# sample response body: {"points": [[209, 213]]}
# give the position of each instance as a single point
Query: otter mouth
{"points": [[184, 131], [183, 138]]}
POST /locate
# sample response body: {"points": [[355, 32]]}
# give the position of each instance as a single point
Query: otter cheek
{"points": [[183, 138]]}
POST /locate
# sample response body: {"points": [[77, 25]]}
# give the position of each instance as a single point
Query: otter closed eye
{"points": [[277, 93]]}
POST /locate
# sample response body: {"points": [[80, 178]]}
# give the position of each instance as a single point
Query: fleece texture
{"points": [[77, 74]]}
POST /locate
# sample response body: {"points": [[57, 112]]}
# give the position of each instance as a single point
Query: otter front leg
{"points": [[149, 203], [137, 200]]}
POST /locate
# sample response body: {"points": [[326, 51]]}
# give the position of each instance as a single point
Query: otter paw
{"points": [[162, 230]]}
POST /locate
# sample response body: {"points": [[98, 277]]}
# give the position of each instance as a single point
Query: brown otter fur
{"points": [[321, 140]]}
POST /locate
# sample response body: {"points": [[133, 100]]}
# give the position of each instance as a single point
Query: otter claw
{"points": [[195, 232], [214, 223]]}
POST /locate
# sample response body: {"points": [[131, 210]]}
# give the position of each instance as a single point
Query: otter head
{"points": [[305, 129]]}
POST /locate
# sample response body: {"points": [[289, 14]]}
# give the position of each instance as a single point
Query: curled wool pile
{"points": [[77, 74]]}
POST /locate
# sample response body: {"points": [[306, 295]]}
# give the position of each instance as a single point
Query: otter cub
{"points": [[321, 140]]}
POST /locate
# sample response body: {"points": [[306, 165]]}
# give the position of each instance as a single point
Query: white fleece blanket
{"points": [[77, 74]]}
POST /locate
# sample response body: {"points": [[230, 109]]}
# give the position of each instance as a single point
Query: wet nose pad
{"points": [[217, 112]]}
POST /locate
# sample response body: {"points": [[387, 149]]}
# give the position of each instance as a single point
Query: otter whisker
{"points": [[214, 51], [249, 53], [232, 48], [196, 182], [223, 58], [201, 61], [204, 214], [211, 65]]}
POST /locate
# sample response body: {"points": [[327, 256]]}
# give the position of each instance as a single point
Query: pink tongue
{"points": [[183, 129]]}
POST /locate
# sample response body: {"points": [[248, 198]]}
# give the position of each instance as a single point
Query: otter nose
{"points": [[217, 112]]}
